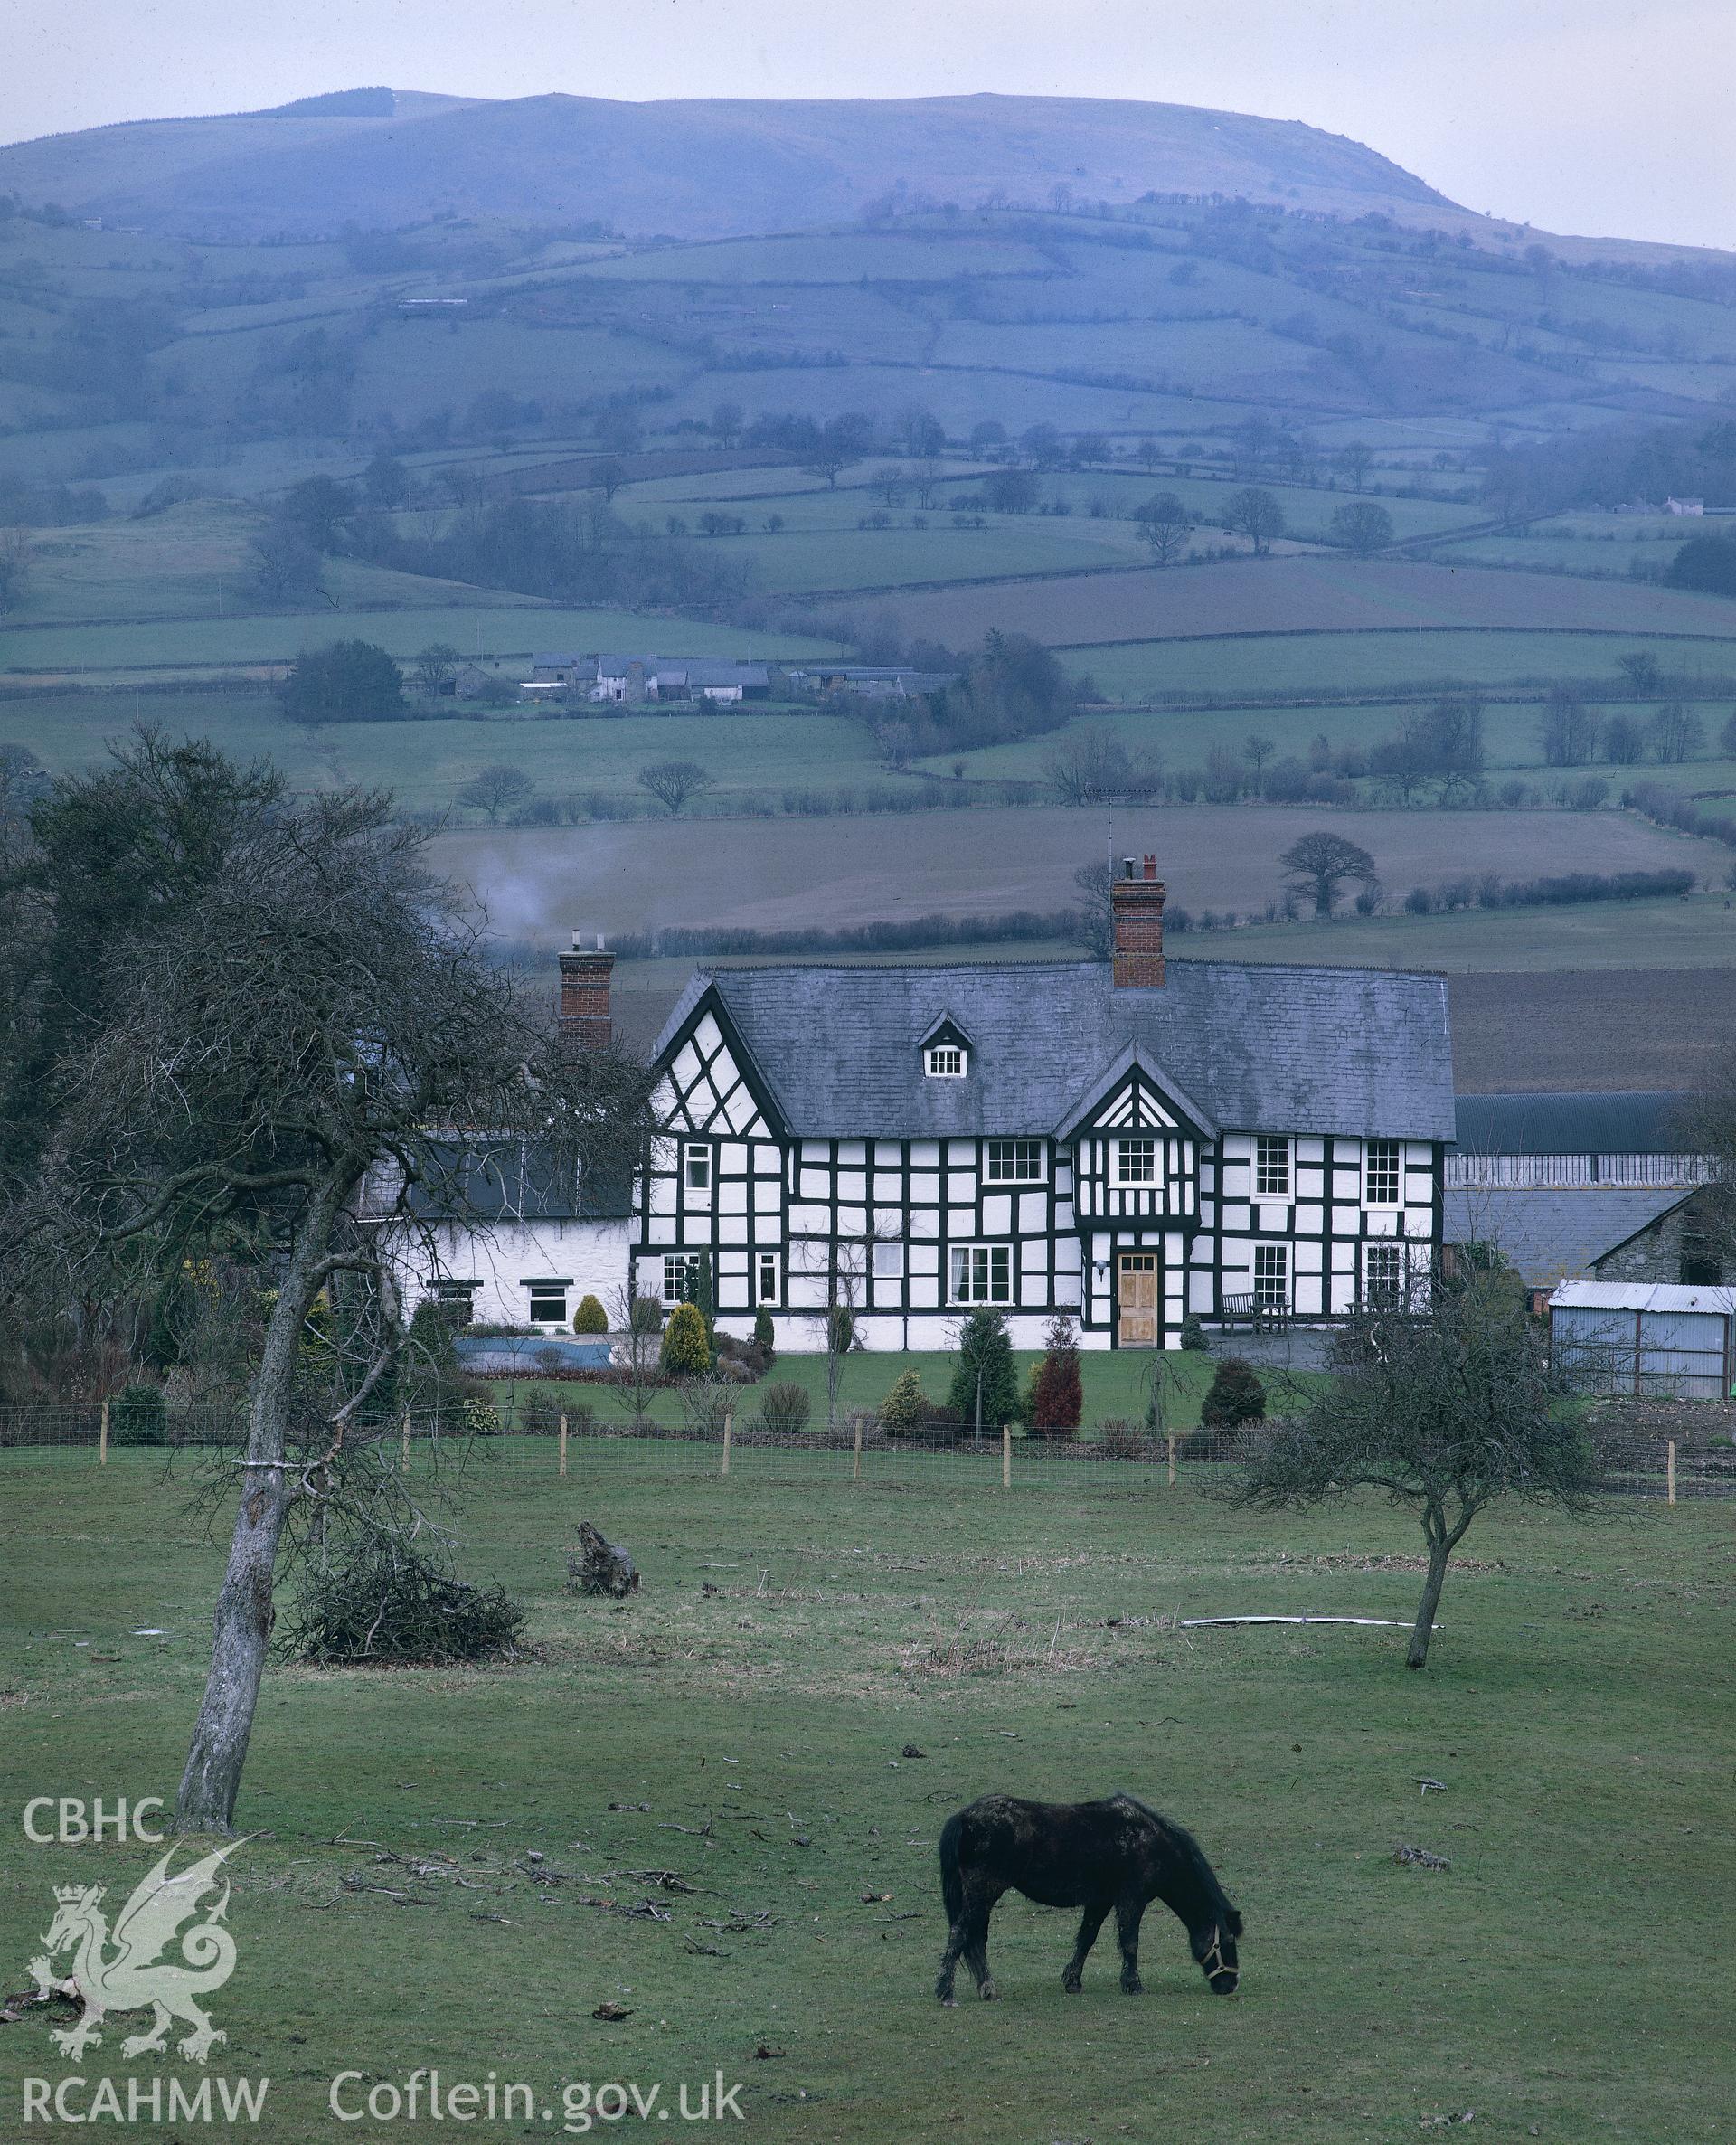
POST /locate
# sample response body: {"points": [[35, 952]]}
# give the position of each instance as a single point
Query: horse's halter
{"points": [[1213, 1964]]}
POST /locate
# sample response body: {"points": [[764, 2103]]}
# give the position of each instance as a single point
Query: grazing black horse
{"points": [[1118, 1852]]}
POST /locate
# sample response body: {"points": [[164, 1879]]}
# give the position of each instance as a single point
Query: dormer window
{"points": [[946, 1050]]}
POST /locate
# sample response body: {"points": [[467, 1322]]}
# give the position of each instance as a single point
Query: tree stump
{"points": [[598, 1567]]}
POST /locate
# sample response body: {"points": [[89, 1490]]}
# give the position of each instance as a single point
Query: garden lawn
{"points": [[810, 1679]]}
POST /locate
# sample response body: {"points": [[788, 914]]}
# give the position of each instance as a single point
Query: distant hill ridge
{"points": [[690, 168]]}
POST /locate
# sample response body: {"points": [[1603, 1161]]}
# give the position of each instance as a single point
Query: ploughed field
{"points": [[1301, 594], [747, 1725], [538, 882]]}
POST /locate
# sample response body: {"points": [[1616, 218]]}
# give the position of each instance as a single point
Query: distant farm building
{"points": [[632, 680], [1582, 1188]]}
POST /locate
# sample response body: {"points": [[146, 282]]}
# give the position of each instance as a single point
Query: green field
{"points": [[1304, 664], [752, 1739], [478, 629]]}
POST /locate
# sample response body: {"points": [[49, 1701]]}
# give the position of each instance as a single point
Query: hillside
{"points": [[655, 167]]}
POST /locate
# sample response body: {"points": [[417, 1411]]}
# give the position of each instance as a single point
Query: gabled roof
{"points": [[1357, 1052], [1553, 1235], [1135, 1057], [1631, 1121]]}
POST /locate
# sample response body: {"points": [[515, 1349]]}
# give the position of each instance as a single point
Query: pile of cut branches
{"points": [[384, 1602]]}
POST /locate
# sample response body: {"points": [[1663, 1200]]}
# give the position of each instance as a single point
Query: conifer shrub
{"points": [[139, 1415], [686, 1349], [1236, 1396], [1057, 1396], [590, 1317], [906, 1408]]}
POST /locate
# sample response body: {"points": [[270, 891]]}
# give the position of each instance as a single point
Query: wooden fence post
{"points": [[855, 1472], [728, 1428], [404, 1459], [1006, 1456], [1669, 1466], [1172, 1459], [563, 1444], [102, 1437]]}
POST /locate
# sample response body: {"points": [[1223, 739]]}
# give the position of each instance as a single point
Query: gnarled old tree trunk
{"points": [[241, 1628], [597, 1566]]}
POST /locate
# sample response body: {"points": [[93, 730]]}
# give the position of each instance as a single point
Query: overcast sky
{"points": [[1605, 117]]}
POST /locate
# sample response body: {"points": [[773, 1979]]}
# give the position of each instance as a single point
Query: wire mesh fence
{"points": [[1643, 1457]]}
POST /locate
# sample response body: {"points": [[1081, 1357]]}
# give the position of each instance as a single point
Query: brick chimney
{"points": [[585, 971], [1136, 904]]}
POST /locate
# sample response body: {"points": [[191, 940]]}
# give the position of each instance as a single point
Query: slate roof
{"points": [[1554, 1235], [1361, 1053], [1633, 1121], [516, 1182]]}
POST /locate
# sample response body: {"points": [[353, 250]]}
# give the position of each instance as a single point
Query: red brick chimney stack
{"points": [[585, 1023], [1136, 904]]}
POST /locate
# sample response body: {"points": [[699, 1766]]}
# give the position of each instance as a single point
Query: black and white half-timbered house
{"points": [[1129, 1141]]}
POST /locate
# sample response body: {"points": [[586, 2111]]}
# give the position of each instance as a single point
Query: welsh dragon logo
{"points": [[123, 1970]]}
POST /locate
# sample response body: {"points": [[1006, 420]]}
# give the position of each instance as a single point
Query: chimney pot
{"points": [[585, 1021], [1137, 907]]}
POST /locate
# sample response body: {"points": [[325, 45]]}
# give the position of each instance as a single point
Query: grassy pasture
{"points": [[1581, 1672], [1698, 932], [1301, 665], [819, 256], [194, 561], [491, 627]]}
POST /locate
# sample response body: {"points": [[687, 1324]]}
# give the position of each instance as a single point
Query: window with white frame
{"points": [[1272, 1276], [1014, 1162], [888, 1261], [1135, 1161], [982, 1273], [548, 1302], [697, 1171], [680, 1271], [766, 1288], [1383, 1273], [1271, 1166], [1381, 1173], [944, 1061]]}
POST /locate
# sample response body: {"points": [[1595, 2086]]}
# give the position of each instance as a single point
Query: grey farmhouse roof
{"points": [[1356, 1052], [1553, 1235], [1631, 1121]]}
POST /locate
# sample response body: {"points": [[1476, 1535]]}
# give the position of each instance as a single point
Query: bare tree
{"points": [[1257, 750], [435, 668], [1676, 734], [1319, 865], [285, 1053], [1163, 521], [1256, 514], [1362, 529], [286, 562], [674, 783], [1568, 729], [1446, 1407], [1095, 767], [496, 788], [1352, 462], [1643, 672], [14, 568]]}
